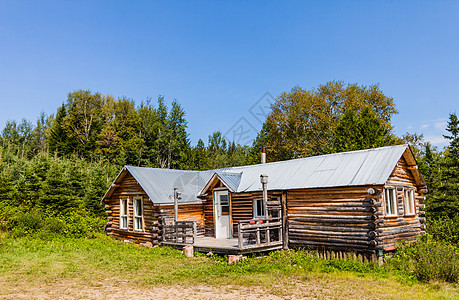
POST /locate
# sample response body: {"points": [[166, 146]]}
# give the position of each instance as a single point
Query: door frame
{"points": [[215, 193]]}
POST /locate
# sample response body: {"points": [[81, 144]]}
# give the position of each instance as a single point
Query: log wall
{"points": [[401, 227], [153, 216], [351, 218], [333, 218], [129, 188]]}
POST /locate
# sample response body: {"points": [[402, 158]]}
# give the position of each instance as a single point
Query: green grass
{"points": [[32, 263]]}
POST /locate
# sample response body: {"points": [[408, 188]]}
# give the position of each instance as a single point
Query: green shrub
{"points": [[25, 223], [444, 229], [427, 260], [41, 223], [82, 224]]}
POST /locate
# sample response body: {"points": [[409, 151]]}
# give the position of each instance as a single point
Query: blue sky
{"points": [[219, 59]]}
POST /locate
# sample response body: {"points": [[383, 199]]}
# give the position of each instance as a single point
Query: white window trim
{"points": [[135, 216], [394, 202], [259, 215], [412, 200], [126, 213]]}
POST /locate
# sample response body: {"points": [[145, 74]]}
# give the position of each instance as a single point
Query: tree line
{"points": [[66, 161]]}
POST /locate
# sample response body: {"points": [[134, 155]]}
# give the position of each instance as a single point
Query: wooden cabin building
{"points": [[363, 201]]}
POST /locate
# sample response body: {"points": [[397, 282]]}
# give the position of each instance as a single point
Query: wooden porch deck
{"points": [[226, 246], [256, 235]]}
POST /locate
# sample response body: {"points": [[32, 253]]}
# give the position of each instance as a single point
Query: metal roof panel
{"points": [[363, 167]]}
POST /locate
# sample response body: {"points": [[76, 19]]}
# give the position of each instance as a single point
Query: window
{"points": [[123, 213], [390, 198], [224, 203], [408, 199], [258, 208], [138, 215]]}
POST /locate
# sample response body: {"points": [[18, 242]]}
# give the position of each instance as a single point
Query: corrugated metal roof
{"points": [[159, 184], [232, 180], [364, 167]]}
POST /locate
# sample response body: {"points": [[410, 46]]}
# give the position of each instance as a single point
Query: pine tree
{"points": [[363, 130], [448, 198], [58, 140]]}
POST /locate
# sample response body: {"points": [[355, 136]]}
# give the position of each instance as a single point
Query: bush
{"points": [[42, 223], [444, 229], [427, 259], [25, 223]]}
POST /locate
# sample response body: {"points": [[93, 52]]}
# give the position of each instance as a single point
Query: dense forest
{"points": [[54, 172]]}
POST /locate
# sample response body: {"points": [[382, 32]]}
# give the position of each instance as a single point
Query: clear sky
{"points": [[218, 58]]}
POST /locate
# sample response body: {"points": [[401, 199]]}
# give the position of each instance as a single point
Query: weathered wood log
{"points": [[373, 243], [340, 217], [400, 236], [345, 246], [373, 234], [334, 220], [300, 225], [423, 191], [329, 239], [333, 208], [399, 231], [328, 233]]}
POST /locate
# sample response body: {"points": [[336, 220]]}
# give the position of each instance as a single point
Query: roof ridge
{"points": [[323, 156]]}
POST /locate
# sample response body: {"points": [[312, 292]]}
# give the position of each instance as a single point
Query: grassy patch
{"points": [[100, 262]]}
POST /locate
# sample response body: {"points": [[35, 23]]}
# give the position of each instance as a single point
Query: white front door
{"points": [[222, 215]]}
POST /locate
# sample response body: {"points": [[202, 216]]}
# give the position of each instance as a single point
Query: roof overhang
{"points": [[211, 181], [414, 169], [114, 185]]}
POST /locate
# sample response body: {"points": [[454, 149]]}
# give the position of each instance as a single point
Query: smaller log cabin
{"points": [[362, 201]]}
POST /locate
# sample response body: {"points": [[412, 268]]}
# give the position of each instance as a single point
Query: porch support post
{"points": [[284, 221], [175, 205], [264, 184]]}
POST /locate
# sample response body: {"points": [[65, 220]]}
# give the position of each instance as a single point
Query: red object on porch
{"points": [[260, 222], [252, 222]]}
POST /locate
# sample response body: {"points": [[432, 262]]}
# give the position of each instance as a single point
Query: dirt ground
{"points": [[322, 288]]}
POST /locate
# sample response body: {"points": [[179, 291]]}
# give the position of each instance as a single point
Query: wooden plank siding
{"points": [[241, 209], [188, 212], [242, 206], [401, 227], [333, 218], [128, 188]]}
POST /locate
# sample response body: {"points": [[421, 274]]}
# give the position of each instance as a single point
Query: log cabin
{"points": [[361, 201]]}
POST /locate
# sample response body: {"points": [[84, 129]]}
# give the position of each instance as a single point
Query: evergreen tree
{"points": [[200, 156], [363, 130], [58, 140], [447, 201]]}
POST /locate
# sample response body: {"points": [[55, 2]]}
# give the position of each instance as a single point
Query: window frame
{"points": [[136, 216], [388, 204], [256, 213], [411, 200], [124, 214]]}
